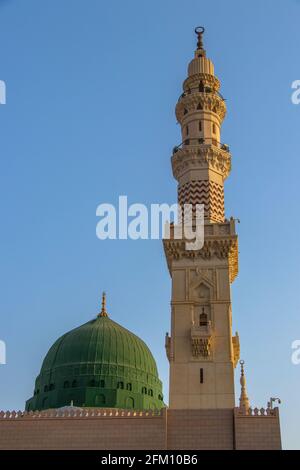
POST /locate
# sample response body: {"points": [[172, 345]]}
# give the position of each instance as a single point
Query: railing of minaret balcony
{"points": [[201, 141], [206, 90]]}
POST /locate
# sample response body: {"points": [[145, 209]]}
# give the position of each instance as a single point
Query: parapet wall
{"points": [[83, 429], [114, 429], [259, 429]]}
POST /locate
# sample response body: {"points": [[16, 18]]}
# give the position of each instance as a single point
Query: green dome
{"points": [[98, 364]]}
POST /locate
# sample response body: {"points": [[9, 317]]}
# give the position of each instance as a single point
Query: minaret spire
{"points": [[103, 312], [244, 400]]}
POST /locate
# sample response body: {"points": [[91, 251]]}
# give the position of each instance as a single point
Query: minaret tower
{"points": [[201, 349]]}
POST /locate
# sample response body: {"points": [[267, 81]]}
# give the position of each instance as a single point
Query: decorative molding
{"points": [[208, 80], [236, 349], [83, 413], [209, 102], [256, 412], [214, 247]]}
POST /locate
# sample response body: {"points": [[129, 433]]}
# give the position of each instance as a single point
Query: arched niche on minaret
{"points": [[201, 293], [202, 287]]}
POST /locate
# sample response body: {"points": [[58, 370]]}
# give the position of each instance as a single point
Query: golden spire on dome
{"points": [[103, 312], [244, 400]]}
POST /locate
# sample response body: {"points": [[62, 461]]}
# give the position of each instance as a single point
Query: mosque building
{"points": [[98, 387]]}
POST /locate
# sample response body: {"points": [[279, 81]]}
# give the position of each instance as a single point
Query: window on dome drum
{"points": [[185, 111], [201, 376], [160, 397], [214, 128], [187, 130], [150, 392], [129, 387], [45, 402], [120, 385], [100, 400], [74, 383], [102, 383], [51, 387], [200, 106], [129, 402], [144, 390], [201, 87], [66, 384], [200, 126], [46, 388]]}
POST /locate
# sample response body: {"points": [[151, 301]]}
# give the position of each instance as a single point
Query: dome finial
{"points": [[103, 312]]}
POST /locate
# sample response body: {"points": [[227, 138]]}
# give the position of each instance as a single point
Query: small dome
{"points": [[98, 364]]}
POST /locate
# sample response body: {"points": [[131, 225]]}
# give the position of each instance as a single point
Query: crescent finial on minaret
{"points": [[199, 30]]}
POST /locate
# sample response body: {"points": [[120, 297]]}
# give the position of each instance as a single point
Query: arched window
{"points": [[102, 383], [51, 387], [200, 107], [144, 390], [201, 87], [46, 388], [214, 128], [129, 387], [45, 402], [38, 391], [120, 385], [74, 383], [200, 126], [187, 130], [185, 111], [66, 384], [203, 318], [129, 403], [99, 400], [150, 392]]}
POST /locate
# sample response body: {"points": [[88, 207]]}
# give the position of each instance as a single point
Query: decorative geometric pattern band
{"points": [[208, 193]]}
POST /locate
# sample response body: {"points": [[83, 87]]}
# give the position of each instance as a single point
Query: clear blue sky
{"points": [[91, 90]]}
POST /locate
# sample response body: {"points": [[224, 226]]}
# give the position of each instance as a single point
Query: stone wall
{"points": [[112, 429], [200, 429]]}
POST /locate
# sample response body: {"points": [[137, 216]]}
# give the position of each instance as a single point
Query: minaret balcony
{"points": [[196, 141], [201, 337], [198, 90], [192, 154]]}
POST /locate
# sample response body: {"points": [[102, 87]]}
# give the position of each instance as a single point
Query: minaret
{"points": [[244, 400], [201, 349]]}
